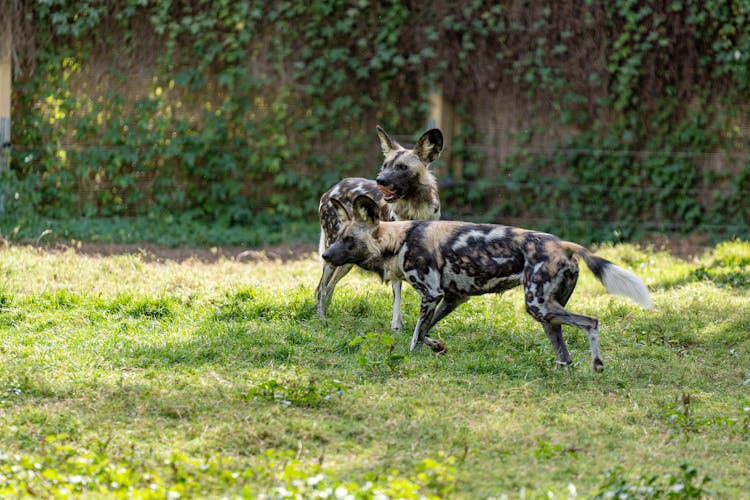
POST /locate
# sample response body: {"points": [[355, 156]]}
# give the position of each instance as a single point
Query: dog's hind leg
{"points": [[553, 314], [447, 306], [330, 277], [548, 286], [554, 334]]}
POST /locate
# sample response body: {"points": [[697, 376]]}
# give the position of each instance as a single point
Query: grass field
{"points": [[124, 377]]}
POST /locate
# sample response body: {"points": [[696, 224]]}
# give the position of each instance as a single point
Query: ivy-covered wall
{"points": [[591, 119]]}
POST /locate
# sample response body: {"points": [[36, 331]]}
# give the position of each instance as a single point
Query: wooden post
{"points": [[5, 88], [443, 116], [5, 77]]}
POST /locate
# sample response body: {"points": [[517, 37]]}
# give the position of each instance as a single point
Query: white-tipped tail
{"points": [[620, 281]]}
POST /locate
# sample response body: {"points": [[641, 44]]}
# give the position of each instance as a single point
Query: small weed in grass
{"points": [[681, 414], [378, 354], [6, 299], [547, 451], [305, 392], [686, 484]]}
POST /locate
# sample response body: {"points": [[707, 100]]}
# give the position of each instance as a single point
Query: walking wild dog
{"points": [[405, 189], [447, 262]]}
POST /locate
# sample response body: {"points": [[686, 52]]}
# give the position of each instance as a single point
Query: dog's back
{"points": [[344, 193], [474, 259]]}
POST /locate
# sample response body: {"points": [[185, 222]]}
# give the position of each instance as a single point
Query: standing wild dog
{"points": [[447, 262], [405, 189]]}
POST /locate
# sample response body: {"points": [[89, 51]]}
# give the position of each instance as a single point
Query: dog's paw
{"points": [[437, 347], [598, 365]]}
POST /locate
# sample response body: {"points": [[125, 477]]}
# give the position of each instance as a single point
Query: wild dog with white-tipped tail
{"points": [[447, 262]]}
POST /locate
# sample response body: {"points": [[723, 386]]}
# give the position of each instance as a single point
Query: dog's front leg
{"points": [[323, 292], [426, 311], [321, 298], [396, 319]]}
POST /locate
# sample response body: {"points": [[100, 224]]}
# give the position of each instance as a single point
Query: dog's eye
{"points": [[401, 166]]}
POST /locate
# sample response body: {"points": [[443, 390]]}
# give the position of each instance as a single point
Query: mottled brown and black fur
{"points": [[447, 262], [405, 189]]}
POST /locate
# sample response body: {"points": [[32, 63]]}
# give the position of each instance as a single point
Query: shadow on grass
{"points": [[248, 329]]}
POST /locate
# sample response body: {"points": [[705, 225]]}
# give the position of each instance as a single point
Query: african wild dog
{"points": [[447, 262], [405, 189]]}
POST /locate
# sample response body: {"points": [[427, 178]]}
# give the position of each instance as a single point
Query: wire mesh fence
{"points": [[512, 192]]}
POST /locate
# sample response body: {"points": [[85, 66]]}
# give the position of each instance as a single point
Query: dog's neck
{"points": [[386, 246], [423, 203]]}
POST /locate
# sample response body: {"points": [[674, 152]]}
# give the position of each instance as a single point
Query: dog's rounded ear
{"points": [[386, 143], [344, 212], [366, 209], [430, 145]]}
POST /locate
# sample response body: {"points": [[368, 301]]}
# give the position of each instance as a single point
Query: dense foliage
{"points": [[219, 110]]}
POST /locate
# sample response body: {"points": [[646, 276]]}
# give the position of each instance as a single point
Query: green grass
{"points": [[167, 230], [120, 377]]}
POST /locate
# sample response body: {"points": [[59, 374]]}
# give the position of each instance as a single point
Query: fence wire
{"points": [[503, 185]]}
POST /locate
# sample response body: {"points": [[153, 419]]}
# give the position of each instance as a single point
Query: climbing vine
{"points": [[221, 110]]}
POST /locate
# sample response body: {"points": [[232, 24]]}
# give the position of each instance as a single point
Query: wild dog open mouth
{"points": [[388, 194]]}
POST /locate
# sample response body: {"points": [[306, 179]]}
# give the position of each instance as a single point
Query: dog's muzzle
{"points": [[388, 193], [331, 257]]}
